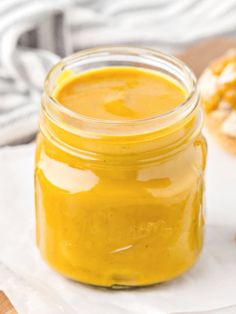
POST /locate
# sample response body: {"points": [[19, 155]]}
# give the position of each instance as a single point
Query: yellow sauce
{"points": [[132, 215], [120, 93]]}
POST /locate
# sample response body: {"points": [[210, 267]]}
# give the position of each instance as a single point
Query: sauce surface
{"points": [[120, 93]]}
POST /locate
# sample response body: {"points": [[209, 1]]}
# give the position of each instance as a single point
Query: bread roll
{"points": [[218, 92]]}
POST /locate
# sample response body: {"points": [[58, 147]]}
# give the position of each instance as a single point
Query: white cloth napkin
{"points": [[34, 288]]}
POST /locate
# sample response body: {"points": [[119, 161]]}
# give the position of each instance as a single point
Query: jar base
{"points": [[117, 287]]}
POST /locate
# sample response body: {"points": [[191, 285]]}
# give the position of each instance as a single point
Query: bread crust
{"points": [[214, 125]]}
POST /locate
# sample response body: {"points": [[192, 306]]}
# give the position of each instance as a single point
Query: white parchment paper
{"points": [[35, 289]]}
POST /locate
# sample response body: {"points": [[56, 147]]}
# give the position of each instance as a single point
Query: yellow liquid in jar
{"points": [[120, 93], [121, 224]]}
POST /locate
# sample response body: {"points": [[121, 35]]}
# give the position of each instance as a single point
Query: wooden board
{"points": [[199, 55], [5, 305]]}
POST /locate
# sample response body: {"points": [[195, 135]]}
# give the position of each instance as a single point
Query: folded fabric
{"points": [[34, 34]]}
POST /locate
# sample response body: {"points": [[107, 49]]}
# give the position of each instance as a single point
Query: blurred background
{"points": [[35, 34]]}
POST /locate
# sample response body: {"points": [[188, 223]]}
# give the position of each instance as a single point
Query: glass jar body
{"points": [[120, 204], [118, 225]]}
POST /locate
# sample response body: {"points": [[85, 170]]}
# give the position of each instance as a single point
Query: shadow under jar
{"points": [[119, 203]]}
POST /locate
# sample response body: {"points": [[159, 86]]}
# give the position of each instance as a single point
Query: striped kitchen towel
{"points": [[35, 34]]}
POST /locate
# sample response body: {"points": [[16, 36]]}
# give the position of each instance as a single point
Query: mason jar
{"points": [[120, 203]]}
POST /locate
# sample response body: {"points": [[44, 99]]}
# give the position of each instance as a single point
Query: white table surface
{"points": [[35, 289]]}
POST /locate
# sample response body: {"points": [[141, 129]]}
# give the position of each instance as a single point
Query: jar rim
{"points": [[181, 111]]}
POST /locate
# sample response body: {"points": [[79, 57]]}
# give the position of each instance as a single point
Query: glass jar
{"points": [[120, 203]]}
